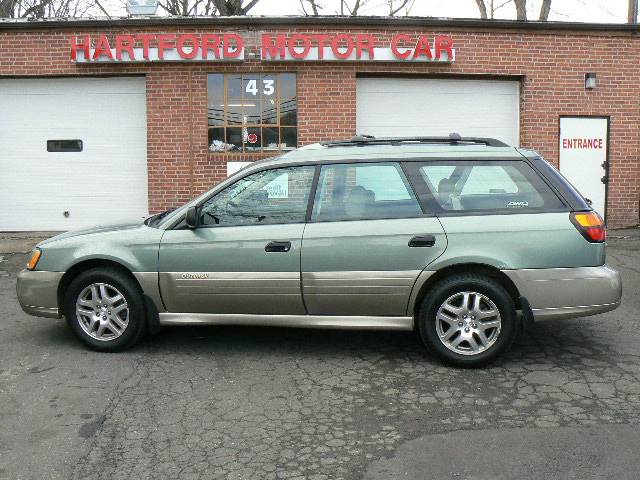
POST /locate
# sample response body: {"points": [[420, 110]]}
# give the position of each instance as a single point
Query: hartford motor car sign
{"points": [[228, 47]]}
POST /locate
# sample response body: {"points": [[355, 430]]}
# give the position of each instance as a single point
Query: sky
{"points": [[614, 11], [606, 11]]}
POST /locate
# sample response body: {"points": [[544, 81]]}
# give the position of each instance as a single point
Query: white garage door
{"points": [[61, 190], [401, 107]]}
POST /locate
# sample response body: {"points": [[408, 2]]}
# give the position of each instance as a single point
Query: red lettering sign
{"points": [[583, 143], [279, 47]]}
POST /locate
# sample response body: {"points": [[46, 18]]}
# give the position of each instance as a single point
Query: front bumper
{"points": [[38, 292], [557, 293]]}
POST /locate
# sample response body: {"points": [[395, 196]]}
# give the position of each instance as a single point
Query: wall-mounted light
{"points": [[142, 7], [590, 81]]}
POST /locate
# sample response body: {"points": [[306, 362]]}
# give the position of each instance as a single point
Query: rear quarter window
{"points": [[486, 186]]}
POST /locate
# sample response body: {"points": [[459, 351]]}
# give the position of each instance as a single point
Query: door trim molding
{"points": [[300, 321]]}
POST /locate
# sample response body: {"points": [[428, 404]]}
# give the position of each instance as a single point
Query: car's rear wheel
{"points": [[468, 320], [105, 310]]}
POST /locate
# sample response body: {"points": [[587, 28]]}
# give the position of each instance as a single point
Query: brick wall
{"points": [[551, 65]]}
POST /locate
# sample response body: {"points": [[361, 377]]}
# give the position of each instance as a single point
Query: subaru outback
{"points": [[464, 240]]}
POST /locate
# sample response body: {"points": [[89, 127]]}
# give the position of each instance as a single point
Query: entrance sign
{"points": [[227, 47], [583, 156]]}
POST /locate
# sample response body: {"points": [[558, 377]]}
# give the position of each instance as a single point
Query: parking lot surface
{"points": [[261, 403]]}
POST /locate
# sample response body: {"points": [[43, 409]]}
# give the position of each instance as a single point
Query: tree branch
{"points": [[483, 9]]}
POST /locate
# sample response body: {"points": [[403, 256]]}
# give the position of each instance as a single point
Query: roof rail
{"points": [[452, 139]]}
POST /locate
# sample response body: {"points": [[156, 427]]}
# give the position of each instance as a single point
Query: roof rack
{"points": [[452, 139]]}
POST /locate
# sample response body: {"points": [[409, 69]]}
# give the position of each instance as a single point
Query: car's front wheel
{"points": [[468, 320], [105, 310]]}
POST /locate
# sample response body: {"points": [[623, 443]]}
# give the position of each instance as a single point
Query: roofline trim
{"points": [[397, 22]]}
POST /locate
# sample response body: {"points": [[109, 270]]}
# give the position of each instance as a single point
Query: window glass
{"points": [[463, 186], [271, 196], [363, 191], [264, 107], [64, 145], [489, 179]]}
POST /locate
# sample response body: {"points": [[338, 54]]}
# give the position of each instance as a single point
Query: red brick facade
{"points": [[550, 63]]}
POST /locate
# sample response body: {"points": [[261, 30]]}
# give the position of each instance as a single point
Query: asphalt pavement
{"points": [[267, 403]]}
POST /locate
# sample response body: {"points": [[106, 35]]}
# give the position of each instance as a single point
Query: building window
{"points": [[64, 145], [252, 112]]}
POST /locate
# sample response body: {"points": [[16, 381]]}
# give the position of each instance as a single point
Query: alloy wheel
{"points": [[468, 323], [102, 311]]}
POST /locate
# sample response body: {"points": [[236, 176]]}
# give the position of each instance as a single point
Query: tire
{"points": [[92, 300], [482, 331]]}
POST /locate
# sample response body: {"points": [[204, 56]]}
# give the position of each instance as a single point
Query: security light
{"points": [[142, 7], [590, 81]]}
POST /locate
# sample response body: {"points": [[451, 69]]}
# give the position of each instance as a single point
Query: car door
{"points": [[244, 257], [367, 241]]}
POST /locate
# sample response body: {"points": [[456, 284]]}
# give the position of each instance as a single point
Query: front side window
{"points": [[252, 112], [269, 197], [468, 186], [362, 191]]}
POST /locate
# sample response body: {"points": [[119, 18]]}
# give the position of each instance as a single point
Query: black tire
{"points": [[446, 288], [136, 326]]}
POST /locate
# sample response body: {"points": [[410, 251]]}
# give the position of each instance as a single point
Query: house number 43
{"points": [[268, 87]]}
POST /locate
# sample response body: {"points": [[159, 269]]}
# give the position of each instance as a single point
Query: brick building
{"points": [[100, 118]]}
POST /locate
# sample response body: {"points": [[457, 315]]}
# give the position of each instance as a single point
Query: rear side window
{"points": [[464, 186], [360, 191]]}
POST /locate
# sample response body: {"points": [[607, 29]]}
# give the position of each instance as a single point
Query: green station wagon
{"points": [[462, 239]]}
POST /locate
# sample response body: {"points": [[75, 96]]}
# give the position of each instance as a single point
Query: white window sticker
{"points": [[279, 187]]}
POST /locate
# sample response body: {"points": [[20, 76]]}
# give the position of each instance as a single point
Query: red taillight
{"points": [[590, 225]]}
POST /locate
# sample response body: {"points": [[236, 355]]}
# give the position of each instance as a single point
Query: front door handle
{"points": [[422, 241], [278, 247]]}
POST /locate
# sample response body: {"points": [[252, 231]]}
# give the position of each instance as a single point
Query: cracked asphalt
{"points": [[260, 403]]}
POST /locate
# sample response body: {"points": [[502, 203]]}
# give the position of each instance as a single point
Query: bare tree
{"points": [[633, 11], [188, 7], [314, 8], [545, 9], [224, 8], [228, 8], [313, 4], [487, 8], [482, 7], [47, 8], [395, 7]]}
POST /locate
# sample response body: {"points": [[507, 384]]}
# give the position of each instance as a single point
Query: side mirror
{"points": [[191, 218]]}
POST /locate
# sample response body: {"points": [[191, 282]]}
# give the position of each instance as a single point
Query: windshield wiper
{"points": [[154, 219]]}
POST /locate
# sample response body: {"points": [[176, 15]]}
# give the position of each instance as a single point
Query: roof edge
{"points": [[438, 22]]}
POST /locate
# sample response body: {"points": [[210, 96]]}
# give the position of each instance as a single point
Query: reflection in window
{"points": [[279, 195], [252, 112], [510, 186], [364, 191]]}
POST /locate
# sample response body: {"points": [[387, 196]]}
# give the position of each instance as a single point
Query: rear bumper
{"points": [[38, 292], [557, 293]]}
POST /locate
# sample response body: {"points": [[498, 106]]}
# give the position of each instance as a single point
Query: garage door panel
{"points": [[415, 107], [105, 182]]}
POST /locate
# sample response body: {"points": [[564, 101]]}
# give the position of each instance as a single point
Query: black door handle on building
{"points": [[278, 247], [422, 241]]}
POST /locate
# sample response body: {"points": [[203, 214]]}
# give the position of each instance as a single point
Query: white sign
{"points": [[583, 156], [279, 187]]}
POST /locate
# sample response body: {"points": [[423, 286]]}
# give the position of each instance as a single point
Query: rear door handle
{"points": [[422, 241], [278, 247]]}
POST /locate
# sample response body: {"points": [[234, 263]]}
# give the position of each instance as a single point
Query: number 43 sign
{"points": [[268, 87]]}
